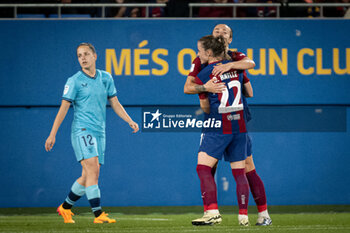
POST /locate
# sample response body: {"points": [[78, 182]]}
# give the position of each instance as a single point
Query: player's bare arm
{"points": [[248, 90], [191, 87], [205, 105], [62, 112], [120, 111], [244, 64]]}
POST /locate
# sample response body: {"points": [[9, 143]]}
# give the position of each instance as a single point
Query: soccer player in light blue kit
{"points": [[88, 90]]}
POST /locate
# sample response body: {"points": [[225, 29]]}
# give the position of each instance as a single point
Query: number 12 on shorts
{"points": [[88, 140]]}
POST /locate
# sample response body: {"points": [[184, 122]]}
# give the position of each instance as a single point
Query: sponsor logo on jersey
{"points": [[234, 117], [66, 89]]}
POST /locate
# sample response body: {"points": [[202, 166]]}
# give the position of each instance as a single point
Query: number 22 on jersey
{"points": [[235, 106]]}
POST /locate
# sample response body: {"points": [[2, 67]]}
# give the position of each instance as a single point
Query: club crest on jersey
{"points": [[104, 83]]}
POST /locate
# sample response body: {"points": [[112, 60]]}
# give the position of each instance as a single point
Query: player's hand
{"points": [[50, 141], [213, 87], [134, 126], [220, 69]]}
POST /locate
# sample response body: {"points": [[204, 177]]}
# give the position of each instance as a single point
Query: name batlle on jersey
{"points": [[225, 76]]}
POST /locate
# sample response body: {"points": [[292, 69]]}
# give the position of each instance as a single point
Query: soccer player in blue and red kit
{"points": [[230, 139], [241, 62], [88, 90]]}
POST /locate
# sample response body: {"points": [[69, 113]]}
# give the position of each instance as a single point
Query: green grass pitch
{"points": [[177, 219]]}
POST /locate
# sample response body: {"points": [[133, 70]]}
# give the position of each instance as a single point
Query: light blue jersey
{"points": [[89, 98]]}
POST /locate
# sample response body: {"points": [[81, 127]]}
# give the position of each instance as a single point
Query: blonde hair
{"points": [[88, 45]]}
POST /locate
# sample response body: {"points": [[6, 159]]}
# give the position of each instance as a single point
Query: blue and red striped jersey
{"points": [[228, 106]]}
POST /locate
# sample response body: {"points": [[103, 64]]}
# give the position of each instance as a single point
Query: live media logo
{"points": [[175, 119]]}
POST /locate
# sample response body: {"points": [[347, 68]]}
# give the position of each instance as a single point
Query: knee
{"points": [[249, 169], [92, 174], [82, 179], [249, 164]]}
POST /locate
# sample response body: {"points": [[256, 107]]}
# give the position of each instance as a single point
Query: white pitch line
{"points": [[145, 219], [312, 226]]}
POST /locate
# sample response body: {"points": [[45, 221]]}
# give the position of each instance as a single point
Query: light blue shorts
{"points": [[87, 144]]}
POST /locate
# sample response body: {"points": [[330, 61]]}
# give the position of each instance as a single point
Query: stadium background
{"points": [[300, 126]]}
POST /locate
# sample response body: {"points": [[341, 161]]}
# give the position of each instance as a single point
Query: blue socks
{"points": [[77, 191], [93, 195]]}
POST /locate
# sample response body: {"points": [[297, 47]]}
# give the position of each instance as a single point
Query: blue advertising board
{"points": [[297, 61]]}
